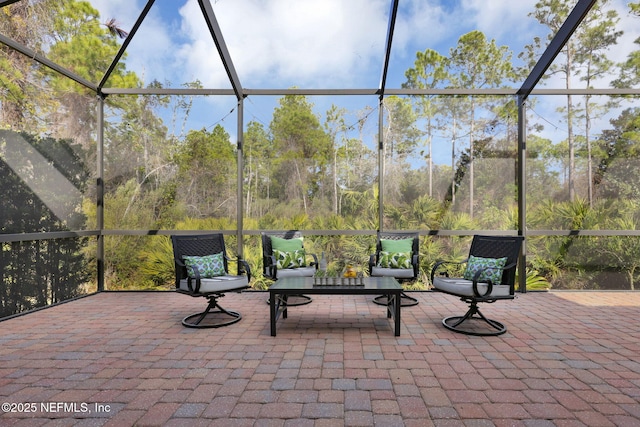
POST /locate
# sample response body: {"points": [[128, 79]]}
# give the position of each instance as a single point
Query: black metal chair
{"points": [[201, 265], [401, 274], [270, 265], [486, 280]]}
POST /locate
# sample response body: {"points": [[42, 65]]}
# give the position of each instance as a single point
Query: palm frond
{"points": [[114, 28]]}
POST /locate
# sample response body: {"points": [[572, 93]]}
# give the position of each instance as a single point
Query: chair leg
{"points": [[405, 300], [194, 320], [456, 323]]}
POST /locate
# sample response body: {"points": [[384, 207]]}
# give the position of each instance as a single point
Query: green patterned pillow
{"points": [[294, 259], [395, 259], [493, 274], [207, 266], [287, 245], [390, 245]]}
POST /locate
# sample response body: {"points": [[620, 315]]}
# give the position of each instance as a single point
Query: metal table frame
{"points": [[280, 291]]}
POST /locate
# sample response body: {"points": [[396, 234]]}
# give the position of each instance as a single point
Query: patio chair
{"points": [[397, 255], [489, 276], [201, 266], [283, 255]]}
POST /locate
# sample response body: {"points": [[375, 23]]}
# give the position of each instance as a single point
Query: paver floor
{"points": [[120, 359]]}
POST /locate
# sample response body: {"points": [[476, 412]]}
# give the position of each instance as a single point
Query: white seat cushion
{"points": [[464, 287], [399, 273], [217, 284], [296, 272]]}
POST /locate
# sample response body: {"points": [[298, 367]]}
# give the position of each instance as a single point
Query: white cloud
{"points": [[505, 21], [421, 25], [309, 43], [303, 43], [630, 25], [437, 24], [149, 54]]}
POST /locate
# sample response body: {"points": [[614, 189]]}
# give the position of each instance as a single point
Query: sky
{"points": [[306, 43], [280, 44]]}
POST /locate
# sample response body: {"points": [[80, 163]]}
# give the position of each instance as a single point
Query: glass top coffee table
{"points": [[280, 291]]}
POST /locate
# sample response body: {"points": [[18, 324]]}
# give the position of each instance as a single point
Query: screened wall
{"points": [[125, 123]]}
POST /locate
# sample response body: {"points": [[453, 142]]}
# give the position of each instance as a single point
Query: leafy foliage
{"points": [[307, 171]]}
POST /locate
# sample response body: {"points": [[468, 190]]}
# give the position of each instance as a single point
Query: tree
{"points": [[615, 177], [67, 32], [476, 63], [553, 13], [543, 182], [629, 70], [585, 52], [28, 23], [353, 164], [335, 125], [401, 137], [257, 166], [595, 36], [401, 133], [135, 141], [621, 251], [206, 172], [429, 72], [301, 152], [85, 46]]}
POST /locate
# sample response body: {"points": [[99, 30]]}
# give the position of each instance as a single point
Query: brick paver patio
{"points": [[123, 359]]}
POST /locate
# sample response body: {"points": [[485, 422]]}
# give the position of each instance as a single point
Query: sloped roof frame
{"points": [[393, 13], [218, 39], [124, 46], [46, 62], [557, 43], [559, 40]]}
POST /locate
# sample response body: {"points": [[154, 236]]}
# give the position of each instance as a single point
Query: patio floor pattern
{"points": [[124, 359]]}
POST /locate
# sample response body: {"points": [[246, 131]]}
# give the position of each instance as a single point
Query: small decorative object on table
{"points": [[349, 277], [320, 278], [323, 263], [350, 272]]}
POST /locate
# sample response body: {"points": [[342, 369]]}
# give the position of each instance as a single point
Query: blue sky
{"points": [[312, 44], [307, 43]]}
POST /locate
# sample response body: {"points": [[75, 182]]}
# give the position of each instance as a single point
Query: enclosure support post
{"points": [[100, 194], [380, 164], [240, 175], [522, 181]]}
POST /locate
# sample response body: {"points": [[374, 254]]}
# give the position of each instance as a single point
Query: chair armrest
{"points": [[243, 267], [507, 267], [475, 284], [488, 282], [373, 260], [196, 272], [190, 279], [273, 266], [179, 265], [443, 264], [315, 260]]}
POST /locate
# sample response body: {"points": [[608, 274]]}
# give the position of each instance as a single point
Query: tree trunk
{"points": [[335, 179], [570, 138], [589, 159]]}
